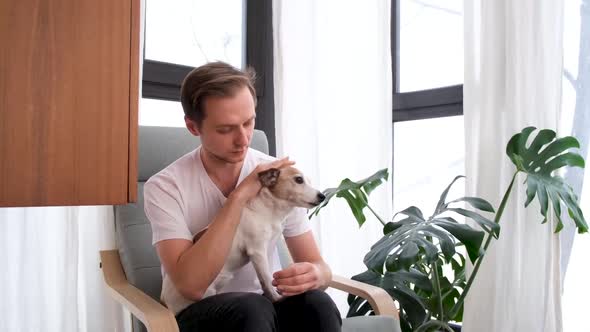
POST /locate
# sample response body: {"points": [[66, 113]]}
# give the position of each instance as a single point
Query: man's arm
{"points": [[309, 270], [192, 267]]}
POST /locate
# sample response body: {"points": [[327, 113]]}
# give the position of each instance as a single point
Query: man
{"points": [[194, 206]]}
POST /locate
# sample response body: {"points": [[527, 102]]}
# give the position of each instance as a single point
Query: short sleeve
{"points": [[162, 208], [296, 223]]}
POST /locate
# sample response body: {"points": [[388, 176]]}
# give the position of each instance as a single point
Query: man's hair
{"points": [[212, 79]]}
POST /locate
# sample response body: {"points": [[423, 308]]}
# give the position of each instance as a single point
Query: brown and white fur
{"points": [[260, 225]]}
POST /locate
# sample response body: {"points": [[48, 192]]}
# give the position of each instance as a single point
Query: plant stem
{"points": [[375, 214], [499, 213], [441, 314], [448, 328], [434, 323]]}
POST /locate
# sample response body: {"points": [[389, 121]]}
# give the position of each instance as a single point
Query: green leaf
{"points": [[413, 310], [458, 267], [376, 257], [449, 300], [539, 162], [410, 240], [413, 276], [554, 148], [488, 225], [531, 190], [357, 201], [443, 197], [392, 226], [404, 324], [369, 184], [516, 147], [476, 202], [409, 255], [446, 242], [430, 250], [412, 212], [543, 137], [355, 303], [410, 303], [355, 194], [470, 237], [364, 309], [368, 277], [557, 210]]}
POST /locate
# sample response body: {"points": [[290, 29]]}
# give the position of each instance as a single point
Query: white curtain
{"points": [[576, 121], [332, 72], [513, 68], [51, 280]]}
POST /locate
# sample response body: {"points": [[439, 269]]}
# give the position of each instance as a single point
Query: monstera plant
{"points": [[420, 261]]}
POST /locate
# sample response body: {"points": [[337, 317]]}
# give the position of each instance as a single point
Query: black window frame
{"points": [[162, 80], [422, 104]]}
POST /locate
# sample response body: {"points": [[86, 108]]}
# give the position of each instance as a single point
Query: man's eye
{"points": [[224, 130], [299, 179]]}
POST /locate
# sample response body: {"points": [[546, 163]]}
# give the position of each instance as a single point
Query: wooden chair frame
{"points": [[157, 318]]}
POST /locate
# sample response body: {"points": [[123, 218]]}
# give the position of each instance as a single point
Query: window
{"points": [[430, 44], [184, 34], [427, 63], [192, 33], [157, 112], [428, 155]]}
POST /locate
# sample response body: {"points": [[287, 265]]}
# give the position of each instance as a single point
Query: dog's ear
{"points": [[269, 177]]}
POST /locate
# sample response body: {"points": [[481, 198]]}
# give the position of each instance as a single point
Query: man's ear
{"points": [[269, 177], [191, 126]]}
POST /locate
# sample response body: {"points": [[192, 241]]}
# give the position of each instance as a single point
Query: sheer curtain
{"points": [[333, 112], [51, 280], [576, 121], [513, 68]]}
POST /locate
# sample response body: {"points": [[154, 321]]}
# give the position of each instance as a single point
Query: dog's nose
{"points": [[321, 197]]}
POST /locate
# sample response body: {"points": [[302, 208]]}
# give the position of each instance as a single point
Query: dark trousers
{"points": [[311, 311]]}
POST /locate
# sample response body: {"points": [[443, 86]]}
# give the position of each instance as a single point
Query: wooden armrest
{"points": [[153, 314], [378, 298]]}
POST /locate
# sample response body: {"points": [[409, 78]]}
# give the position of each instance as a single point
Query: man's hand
{"points": [[298, 278], [251, 185]]}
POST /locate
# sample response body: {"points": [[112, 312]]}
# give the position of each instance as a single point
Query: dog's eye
{"points": [[299, 179]]}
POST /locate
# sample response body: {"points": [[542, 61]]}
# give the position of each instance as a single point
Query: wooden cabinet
{"points": [[69, 92]]}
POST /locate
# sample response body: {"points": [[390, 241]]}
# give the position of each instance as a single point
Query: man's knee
{"points": [[320, 305], [255, 312], [319, 301]]}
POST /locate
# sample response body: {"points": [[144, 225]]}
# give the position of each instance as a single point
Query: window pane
{"points": [[163, 113], [431, 44], [192, 32], [428, 154]]}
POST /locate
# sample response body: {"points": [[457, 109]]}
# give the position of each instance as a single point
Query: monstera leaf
{"points": [[413, 310], [355, 193], [411, 239], [539, 161]]}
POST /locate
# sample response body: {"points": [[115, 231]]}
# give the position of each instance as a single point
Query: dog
{"points": [[260, 225]]}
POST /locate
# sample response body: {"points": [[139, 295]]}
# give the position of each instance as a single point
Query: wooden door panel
{"points": [[64, 98]]}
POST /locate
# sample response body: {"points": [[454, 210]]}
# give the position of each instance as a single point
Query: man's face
{"points": [[227, 127]]}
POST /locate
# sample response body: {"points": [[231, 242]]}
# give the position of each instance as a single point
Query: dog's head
{"points": [[290, 184]]}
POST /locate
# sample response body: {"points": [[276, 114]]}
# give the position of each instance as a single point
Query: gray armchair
{"points": [[132, 273]]}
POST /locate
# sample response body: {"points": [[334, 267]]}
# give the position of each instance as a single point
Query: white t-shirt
{"points": [[181, 200]]}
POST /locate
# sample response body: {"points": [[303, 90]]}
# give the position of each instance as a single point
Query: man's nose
{"points": [[241, 138]]}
